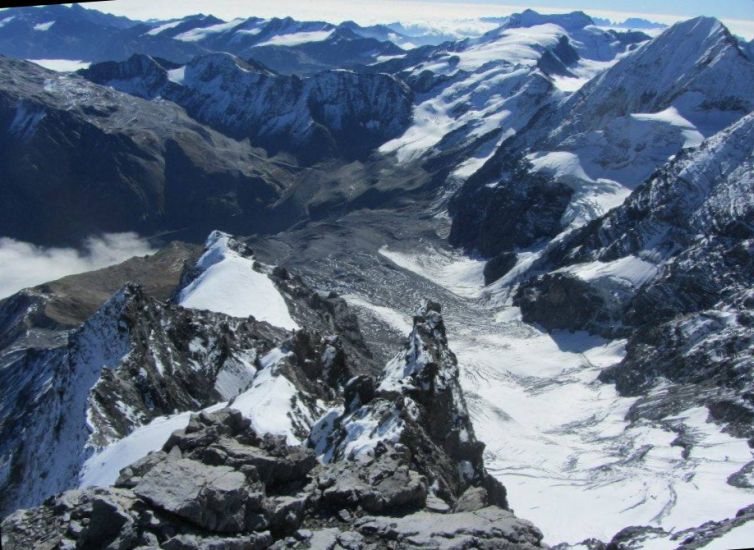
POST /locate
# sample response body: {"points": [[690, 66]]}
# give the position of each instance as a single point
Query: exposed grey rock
{"points": [[219, 484], [488, 528], [562, 301], [472, 499], [519, 212], [384, 485], [216, 498], [498, 266], [255, 541], [418, 404]]}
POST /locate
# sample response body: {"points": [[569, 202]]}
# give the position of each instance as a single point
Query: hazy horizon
{"points": [[733, 13]]}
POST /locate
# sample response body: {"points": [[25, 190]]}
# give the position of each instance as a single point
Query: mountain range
{"points": [[412, 290]]}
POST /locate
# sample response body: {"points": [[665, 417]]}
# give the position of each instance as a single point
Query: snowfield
{"points": [[296, 38]]}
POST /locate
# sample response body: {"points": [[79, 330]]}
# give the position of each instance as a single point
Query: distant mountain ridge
{"points": [[285, 44], [335, 113], [594, 146]]}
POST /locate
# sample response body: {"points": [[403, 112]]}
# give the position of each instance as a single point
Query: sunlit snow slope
{"points": [[229, 284]]}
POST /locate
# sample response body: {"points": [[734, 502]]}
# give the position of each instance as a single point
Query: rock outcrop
{"points": [[416, 404], [218, 483], [139, 358]]}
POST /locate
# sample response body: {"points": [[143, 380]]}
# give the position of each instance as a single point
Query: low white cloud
{"points": [[24, 264]]}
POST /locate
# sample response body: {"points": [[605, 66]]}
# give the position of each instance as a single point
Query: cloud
{"points": [[25, 264]]}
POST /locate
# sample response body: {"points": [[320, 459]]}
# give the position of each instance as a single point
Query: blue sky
{"points": [[737, 14]]}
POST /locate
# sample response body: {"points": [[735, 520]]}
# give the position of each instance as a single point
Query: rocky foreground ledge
{"points": [[396, 466]]}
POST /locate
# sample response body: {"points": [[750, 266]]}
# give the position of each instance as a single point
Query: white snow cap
{"points": [[228, 283]]}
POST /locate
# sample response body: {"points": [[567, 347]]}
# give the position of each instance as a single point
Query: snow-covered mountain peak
{"points": [[682, 67], [333, 112], [529, 18], [227, 279], [218, 246]]}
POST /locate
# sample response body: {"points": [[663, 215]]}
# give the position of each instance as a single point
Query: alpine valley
{"points": [[410, 287]]}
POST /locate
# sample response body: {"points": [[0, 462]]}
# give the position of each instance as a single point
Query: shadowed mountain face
{"points": [[79, 159]]}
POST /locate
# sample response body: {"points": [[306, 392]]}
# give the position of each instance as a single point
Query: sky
{"points": [[737, 14]]}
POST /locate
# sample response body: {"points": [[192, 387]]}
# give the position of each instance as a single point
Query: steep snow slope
{"points": [[226, 282]]}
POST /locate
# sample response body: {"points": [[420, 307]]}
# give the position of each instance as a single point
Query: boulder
{"points": [[216, 498]]}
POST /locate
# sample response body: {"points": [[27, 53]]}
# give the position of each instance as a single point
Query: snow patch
{"points": [[196, 35], [630, 269], [102, 469], [460, 274], [395, 319], [273, 404], [296, 38], [177, 75], [61, 65], [44, 26], [692, 136], [738, 537], [165, 27]]}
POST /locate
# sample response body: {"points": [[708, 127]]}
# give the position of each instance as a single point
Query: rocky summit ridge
{"points": [[398, 466]]}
